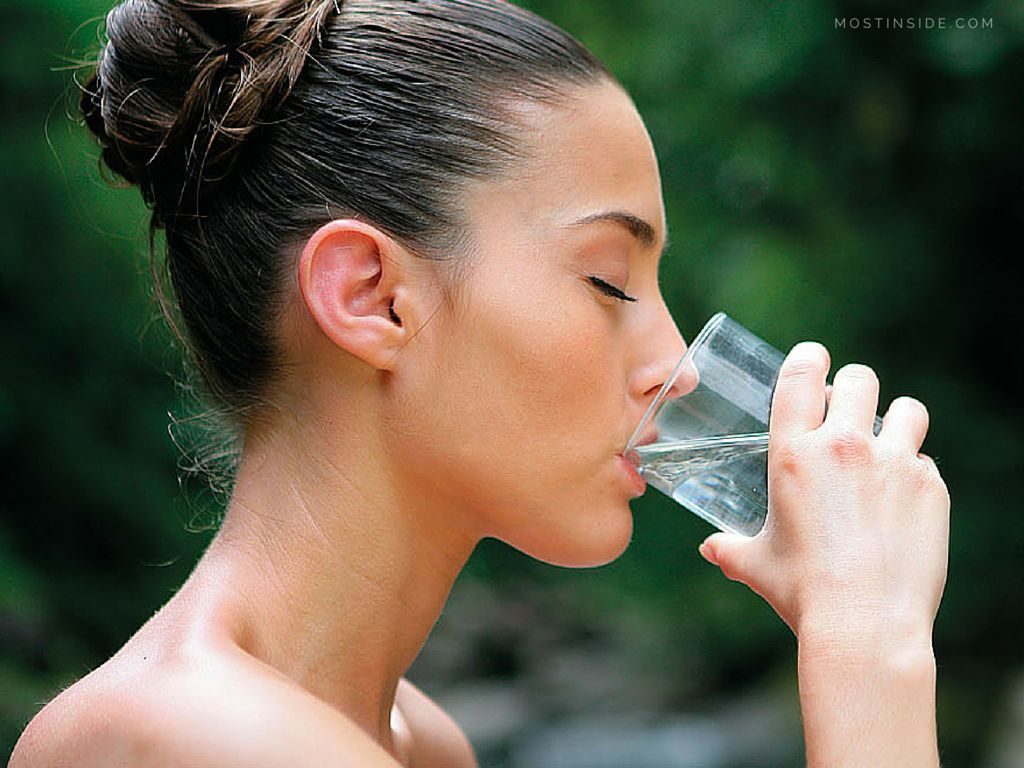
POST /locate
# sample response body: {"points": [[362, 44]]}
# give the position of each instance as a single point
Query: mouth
{"points": [[629, 453], [632, 474]]}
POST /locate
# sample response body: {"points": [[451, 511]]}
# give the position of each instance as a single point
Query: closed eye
{"points": [[609, 289]]}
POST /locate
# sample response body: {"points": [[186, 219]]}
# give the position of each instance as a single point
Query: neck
{"points": [[329, 570]]}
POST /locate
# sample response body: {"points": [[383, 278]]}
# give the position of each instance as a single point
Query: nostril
{"points": [[684, 381], [660, 387], [681, 385], [651, 380]]}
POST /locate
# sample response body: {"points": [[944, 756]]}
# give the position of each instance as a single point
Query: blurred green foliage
{"points": [[859, 187]]}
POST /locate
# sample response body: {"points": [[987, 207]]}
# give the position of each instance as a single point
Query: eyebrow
{"points": [[640, 229]]}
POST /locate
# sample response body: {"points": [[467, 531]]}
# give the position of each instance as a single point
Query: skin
{"points": [[501, 410]]}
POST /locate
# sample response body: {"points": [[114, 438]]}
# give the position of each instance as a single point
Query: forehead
{"points": [[588, 153]]}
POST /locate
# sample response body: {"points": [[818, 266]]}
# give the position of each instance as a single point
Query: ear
{"points": [[352, 282]]}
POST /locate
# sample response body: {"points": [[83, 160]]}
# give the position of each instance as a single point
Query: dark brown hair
{"points": [[249, 123]]}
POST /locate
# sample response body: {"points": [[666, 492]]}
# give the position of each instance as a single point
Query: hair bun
{"points": [[181, 84]]}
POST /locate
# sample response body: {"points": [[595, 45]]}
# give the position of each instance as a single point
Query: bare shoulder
{"points": [[209, 711], [438, 741]]}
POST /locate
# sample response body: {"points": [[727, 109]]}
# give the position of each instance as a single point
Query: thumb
{"points": [[730, 552]]}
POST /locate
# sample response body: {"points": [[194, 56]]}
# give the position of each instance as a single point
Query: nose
{"points": [[662, 350]]}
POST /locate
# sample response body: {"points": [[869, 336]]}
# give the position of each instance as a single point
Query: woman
{"points": [[414, 248]]}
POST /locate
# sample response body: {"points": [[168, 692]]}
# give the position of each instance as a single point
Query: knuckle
{"points": [[931, 469], [731, 569], [786, 458], [924, 474], [928, 464], [920, 474], [848, 444], [727, 569]]}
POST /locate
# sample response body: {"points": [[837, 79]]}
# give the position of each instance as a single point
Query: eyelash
{"points": [[610, 289]]}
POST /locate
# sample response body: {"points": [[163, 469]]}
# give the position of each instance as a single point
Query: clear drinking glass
{"points": [[704, 439]]}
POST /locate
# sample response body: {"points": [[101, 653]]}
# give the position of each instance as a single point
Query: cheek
{"points": [[527, 398], [549, 366], [507, 421], [542, 473], [508, 415]]}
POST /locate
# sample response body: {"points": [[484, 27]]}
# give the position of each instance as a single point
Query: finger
{"points": [[742, 559], [854, 398], [828, 396], [798, 403], [730, 552], [905, 424]]}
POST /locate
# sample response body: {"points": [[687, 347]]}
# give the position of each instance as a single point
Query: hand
{"points": [[855, 544]]}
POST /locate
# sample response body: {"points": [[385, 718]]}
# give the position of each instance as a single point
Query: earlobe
{"points": [[348, 286]]}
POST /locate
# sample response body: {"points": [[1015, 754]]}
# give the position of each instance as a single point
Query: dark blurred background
{"points": [[861, 187]]}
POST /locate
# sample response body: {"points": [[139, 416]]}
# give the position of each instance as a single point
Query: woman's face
{"points": [[525, 396]]}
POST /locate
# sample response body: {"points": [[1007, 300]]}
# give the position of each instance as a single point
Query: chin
{"points": [[593, 542]]}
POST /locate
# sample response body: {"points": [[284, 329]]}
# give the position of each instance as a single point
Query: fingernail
{"points": [[706, 553]]}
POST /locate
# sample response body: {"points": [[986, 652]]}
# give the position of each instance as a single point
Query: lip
{"points": [[636, 480], [649, 436]]}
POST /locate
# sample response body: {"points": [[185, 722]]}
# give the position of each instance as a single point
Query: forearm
{"points": [[868, 704]]}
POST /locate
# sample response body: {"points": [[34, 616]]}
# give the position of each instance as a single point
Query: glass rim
{"points": [[699, 340]]}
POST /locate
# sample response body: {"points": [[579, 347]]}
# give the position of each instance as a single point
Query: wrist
{"points": [[868, 704], [906, 652], [828, 632]]}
